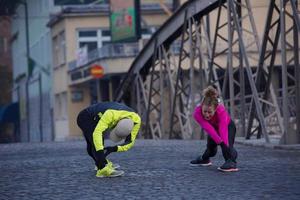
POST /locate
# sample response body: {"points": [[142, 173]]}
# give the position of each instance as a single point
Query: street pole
{"points": [[98, 90], [27, 80], [41, 108]]}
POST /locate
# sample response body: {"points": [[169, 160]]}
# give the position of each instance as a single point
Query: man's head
{"points": [[122, 130]]}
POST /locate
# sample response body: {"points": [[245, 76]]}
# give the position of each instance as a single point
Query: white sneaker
{"points": [[115, 173]]}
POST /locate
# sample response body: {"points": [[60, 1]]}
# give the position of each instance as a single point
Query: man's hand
{"points": [[108, 150], [100, 159]]}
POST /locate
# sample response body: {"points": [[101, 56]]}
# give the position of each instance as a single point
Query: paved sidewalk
{"points": [[153, 170]]}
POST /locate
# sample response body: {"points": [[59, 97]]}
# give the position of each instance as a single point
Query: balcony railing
{"points": [[109, 51], [117, 51]]}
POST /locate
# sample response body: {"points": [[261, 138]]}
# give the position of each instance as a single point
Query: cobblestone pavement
{"points": [[153, 170]]}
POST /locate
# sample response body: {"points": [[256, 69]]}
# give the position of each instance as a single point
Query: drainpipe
{"points": [[28, 56]]}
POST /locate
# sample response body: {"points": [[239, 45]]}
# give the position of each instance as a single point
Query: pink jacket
{"points": [[217, 126]]}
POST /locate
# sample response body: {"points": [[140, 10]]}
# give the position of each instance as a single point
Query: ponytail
{"points": [[210, 96]]}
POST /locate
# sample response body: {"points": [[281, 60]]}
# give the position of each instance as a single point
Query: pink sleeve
{"points": [[224, 120], [206, 125]]}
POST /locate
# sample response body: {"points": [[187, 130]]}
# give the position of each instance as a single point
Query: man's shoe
{"points": [[114, 173], [200, 162], [108, 171], [110, 164], [228, 166]]}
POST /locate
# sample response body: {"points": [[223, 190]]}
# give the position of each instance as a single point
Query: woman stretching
{"points": [[215, 120]]}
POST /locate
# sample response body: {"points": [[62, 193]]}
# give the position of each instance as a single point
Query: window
{"points": [[93, 38], [59, 49], [57, 112], [62, 43], [90, 45], [3, 44], [64, 108], [61, 112], [106, 33], [55, 51], [147, 32], [87, 33]]}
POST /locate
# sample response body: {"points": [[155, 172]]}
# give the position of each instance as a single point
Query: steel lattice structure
{"points": [[216, 42]]}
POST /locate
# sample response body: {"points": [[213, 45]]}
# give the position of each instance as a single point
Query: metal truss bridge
{"points": [[216, 42]]}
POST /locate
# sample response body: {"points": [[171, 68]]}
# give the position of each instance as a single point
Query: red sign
{"points": [[97, 71]]}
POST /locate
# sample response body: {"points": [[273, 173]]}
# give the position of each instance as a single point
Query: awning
{"points": [[9, 113]]}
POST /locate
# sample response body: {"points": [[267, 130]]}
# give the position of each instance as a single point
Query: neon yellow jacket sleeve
{"points": [[108, 120], [103, 124]]}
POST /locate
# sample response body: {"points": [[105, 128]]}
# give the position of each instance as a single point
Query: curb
{"points": [[293, 147]]}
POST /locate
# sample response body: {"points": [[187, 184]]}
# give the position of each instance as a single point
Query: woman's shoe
{"points": [[228, 166], [200, 162]]}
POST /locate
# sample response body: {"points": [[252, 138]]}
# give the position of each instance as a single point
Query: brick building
{"points": [[7, 133], [5, 61]]}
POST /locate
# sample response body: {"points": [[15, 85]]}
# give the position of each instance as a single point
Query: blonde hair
{"points": [[210, 96]]}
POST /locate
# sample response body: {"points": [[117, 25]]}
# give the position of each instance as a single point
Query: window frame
{"points": [[4, 45], [59, 49], [99, 38]]}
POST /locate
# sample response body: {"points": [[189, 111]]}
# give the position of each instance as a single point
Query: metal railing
{"points": [[108, 51]]}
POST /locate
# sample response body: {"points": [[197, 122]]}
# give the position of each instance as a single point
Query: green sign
{"points": [[166, 2], [124, 20]]}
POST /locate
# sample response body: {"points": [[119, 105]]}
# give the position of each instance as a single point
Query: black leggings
{"points": [[212, 147], [87, 124]]}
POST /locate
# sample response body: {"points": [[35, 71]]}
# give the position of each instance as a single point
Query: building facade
{"points": [[81, 39], [53, 56], [31, 57]]}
